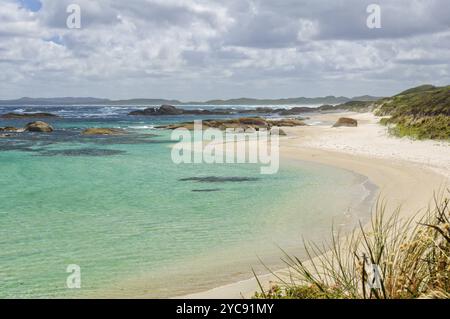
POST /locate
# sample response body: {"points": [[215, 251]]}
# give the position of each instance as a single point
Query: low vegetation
{"points": [[412, 257], [357, 106]]}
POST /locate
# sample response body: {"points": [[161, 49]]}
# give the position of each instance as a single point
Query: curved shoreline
{"points": [[400, 183]]}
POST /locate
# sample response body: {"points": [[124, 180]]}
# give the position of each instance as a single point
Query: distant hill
{"points": [[151, 102], [144, 102], [287, 101], [57, 100]]}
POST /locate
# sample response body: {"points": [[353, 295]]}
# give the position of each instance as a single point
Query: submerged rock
{"points": [[81, 152], [104, 131], [26, 115], [206, 190], [38, 127], [345, 121], [219, 179]]}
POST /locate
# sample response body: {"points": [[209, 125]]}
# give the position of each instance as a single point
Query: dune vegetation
{"points": [[421, 113], [412, 257]]}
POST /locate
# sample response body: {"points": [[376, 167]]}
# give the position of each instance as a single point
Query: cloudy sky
{"points": [[198, 49]]}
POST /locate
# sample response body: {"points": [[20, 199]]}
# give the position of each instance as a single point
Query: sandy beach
{"points": [[406, 172]]}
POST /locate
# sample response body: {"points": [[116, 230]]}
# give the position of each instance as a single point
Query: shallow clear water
{"points": [[118, 208]]}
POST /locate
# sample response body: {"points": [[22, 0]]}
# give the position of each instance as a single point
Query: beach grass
{"points": [[391, 258]]}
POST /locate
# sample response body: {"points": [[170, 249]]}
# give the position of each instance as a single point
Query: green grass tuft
{"points": [[412, 255]]}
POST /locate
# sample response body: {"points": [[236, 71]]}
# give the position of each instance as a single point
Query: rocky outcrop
{"points": [[346, 121], [244, 124], [165, 110], [103, 131], [26, 115], [10, 129], [38, 127]]}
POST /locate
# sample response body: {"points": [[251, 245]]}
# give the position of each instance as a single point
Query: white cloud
{"points": [[194, 49]]}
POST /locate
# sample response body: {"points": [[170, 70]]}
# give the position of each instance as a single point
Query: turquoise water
{"points": [[119, 209]]}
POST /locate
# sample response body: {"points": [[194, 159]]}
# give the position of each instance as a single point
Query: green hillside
{"points": [[422, 112]]}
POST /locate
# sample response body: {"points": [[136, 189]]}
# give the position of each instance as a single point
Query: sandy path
{"points": [[406, 172]]}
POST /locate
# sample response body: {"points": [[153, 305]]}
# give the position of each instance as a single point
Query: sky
{"points": [[207, 49]]}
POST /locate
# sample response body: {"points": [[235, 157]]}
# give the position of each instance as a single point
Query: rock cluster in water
{"points": [[172, 110], [37, 126], [244, 124]]}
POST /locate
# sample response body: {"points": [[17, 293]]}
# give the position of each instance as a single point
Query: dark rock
{"points": [[218, 179], [10, 129], [345, 121], [103, 131], [82, 152], [38, 127], [162, 110], [26, 115], [169, 110], [206, 190], [172, 110]]}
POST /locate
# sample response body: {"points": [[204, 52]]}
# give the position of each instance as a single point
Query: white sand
{"points": [[407, 172], [372, 140]]}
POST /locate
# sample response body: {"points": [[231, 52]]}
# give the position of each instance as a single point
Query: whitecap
{"points": [[142, 127]]}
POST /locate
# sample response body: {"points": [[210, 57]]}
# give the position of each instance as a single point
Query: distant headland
{"points": [[241, 101]]}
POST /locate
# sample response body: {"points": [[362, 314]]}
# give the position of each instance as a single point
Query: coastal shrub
{"points": [[421, 113], [412, 257], [384, 121], [432, 127]]}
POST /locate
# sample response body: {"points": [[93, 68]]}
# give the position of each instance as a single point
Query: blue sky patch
{"points": [[56, 39], [32, 5]]}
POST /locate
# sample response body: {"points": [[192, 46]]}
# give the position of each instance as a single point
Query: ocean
{"points": [[139, 225]]}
